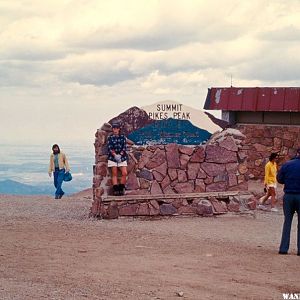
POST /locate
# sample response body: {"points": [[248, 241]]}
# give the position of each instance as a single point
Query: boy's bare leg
{"points": [[124, 175], [114, 175]]}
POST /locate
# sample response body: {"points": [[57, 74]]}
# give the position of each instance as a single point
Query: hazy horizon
{"points": [[28, 164]]}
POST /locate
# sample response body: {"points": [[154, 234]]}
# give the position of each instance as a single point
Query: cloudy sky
{"points": [[67, 66]]}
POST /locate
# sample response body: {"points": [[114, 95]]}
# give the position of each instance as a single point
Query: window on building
{"points": [[268, 117]]}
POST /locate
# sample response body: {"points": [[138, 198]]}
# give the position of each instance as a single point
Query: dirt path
{"points": [[51, 250]]}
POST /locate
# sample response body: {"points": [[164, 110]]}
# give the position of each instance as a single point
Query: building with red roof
{"points": [[264, 105], [269, 117]]}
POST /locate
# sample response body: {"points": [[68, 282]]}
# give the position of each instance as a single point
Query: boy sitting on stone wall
{"points": [[117, 158]]}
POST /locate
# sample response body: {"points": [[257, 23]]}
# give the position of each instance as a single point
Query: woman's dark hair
{"points": [[56, 146], [273, 156]]}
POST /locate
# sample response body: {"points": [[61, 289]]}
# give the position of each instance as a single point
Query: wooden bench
{"points": [[162, 197]]}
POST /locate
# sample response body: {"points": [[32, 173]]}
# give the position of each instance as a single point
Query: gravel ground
{"points": [[50, 249]]}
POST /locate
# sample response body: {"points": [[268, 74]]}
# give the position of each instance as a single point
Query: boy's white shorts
{"points": [[111, 163]]}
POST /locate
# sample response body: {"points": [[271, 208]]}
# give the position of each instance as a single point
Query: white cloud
{"points": [[75, 64]]}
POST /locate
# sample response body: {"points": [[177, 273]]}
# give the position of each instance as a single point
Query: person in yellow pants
{"points": [[270, 182]]}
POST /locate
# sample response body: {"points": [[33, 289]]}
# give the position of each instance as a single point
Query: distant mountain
{"points": [[16, 188], [170, 131], [132, 119]]}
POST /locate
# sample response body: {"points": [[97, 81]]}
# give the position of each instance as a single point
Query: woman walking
{"points": [[58, 166], [270, 182]]}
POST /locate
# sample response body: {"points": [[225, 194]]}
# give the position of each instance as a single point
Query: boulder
{"points": [[155, 204], [137, 154], [184, 187], [221, 177], [186, 150], [99, 192], [106, 127], [184, 161], [243, 168], [132, 182], [166, 182], [199, 186], [173, 183], [187, 210], [102, 158], [240, 187], [157, 159], [219, 206], [208, 180], [144, 184], [232, 180], [216, 154], [101, 136], [162, 169], [146, 155], [212, 169], [204, 208], [143, 210], [198, 155], [229, 144], [201, 174], [97, 179], [112, 211], [103, 211], [153, 211], [181, 176], [242, 155], [172, 173], [179, 202], [128, 210], [101, 169], [217, 187], [193, 170], [155, 188], [172, 156], [102, 150], [233, 206], [168, 190], [232, 168], [95, 208], [167, 209], [157, 176], [131, 166], [145, 174]]}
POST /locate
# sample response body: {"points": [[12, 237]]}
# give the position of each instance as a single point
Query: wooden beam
{"points": [[169, 196]]}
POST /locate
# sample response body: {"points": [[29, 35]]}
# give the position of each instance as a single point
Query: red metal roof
{"points": [[253, 99]]}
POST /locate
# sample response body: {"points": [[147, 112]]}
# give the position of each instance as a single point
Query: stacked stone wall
{"points": [[261, 140], [217, 166], [200, 204]]}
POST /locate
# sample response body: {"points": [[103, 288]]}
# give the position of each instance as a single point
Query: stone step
{"points": [[162, 197]]}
